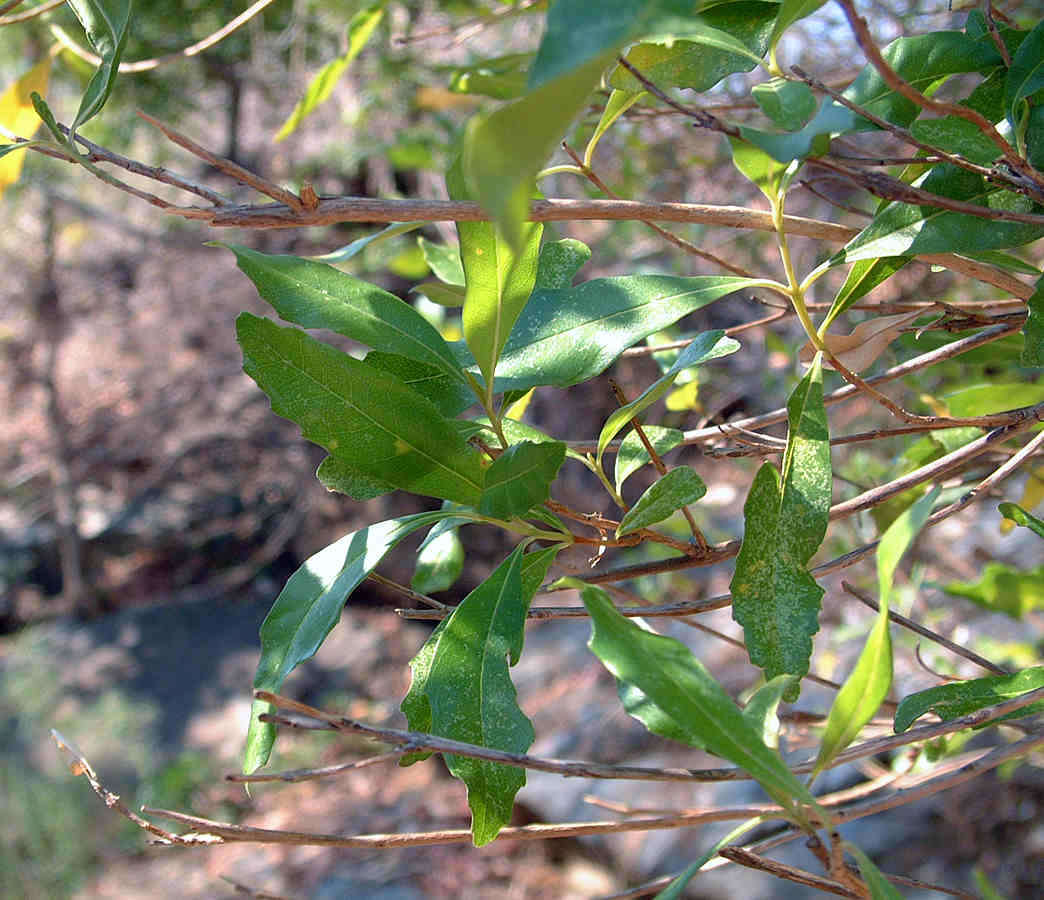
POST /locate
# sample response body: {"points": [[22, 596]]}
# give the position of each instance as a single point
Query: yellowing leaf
{"points": [[18, 116], [1033, 495], [868, 340]]}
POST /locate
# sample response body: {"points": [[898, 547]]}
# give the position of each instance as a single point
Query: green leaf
{"points": [[106, 23], [499, 278], [348, 251], [1020, 517], [760, 710], [338, 475], [360, 27], [880, 887], [789, 104], [632, 454], [761, 168], [864, 690], [956, 135], [985, 399], [789, 12], [446, 295], [617, 104], [1033, 330], [774, 597], [443, 261], [909, 229], [503, 151], [307, 609], [1025, 77], [368, 419], [439, 563], [1004, 589], [315, 295], [520, 478], [679, 686], [697, 52], [415, 705], [678, 488], [448, 395], [705, 347], [472, 698], [570, 335], [503, 78], [559, 262], [862, 278], [959, 698]]}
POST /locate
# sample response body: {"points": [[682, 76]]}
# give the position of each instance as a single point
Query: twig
{"points": [[146, 65], [409, 593], [917, 628], [29, 13], [227, 166], [246, 889], [295, 775], [788, 873]]}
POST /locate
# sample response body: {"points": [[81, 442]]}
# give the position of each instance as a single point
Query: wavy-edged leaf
{"points": [[705, 347], [569, 335], [864, 690], [360, 27], [19, 117], [106, 23], [956, 135], [307, 609], [439, 563], [314, 295], [959, 698], [1019, 516], [1025, 76], [789, 104], [520, 478], [909, 229], [678, 488], [499, 278], [679, 686], [1005, 589], [774, 597], [361, 415], [1033, 330], [632, 454]]}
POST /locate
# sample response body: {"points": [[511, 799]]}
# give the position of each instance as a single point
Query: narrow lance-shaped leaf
{"points": [[499, 277], [774, 597], [959, 698], [520, 478], [362, 416], [19, 117], [1025, 77], [360, 27], [106, 23], [707, 346], [880, 887], [1020, 517], [572, 334], [439, 563], [678, 488], [314, 295], [868, 685], [307, 609], [681, 688]]}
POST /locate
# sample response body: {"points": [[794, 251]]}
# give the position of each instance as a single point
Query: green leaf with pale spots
{"points": [[774, 597], [366, 418]]}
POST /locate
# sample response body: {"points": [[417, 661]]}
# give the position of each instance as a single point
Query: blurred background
{"points": [[151, 505]]}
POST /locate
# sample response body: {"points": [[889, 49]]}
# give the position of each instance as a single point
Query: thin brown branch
{"points": [[920, 629], [29, 13], [146, 65], [900, 86], [295, 775], [227, 166], [408, 593], [786, 872]]}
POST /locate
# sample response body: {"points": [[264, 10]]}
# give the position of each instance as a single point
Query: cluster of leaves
{"points": [[440, 419]]}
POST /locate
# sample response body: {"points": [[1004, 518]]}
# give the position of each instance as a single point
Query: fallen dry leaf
{"points": [[868, 340]]}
